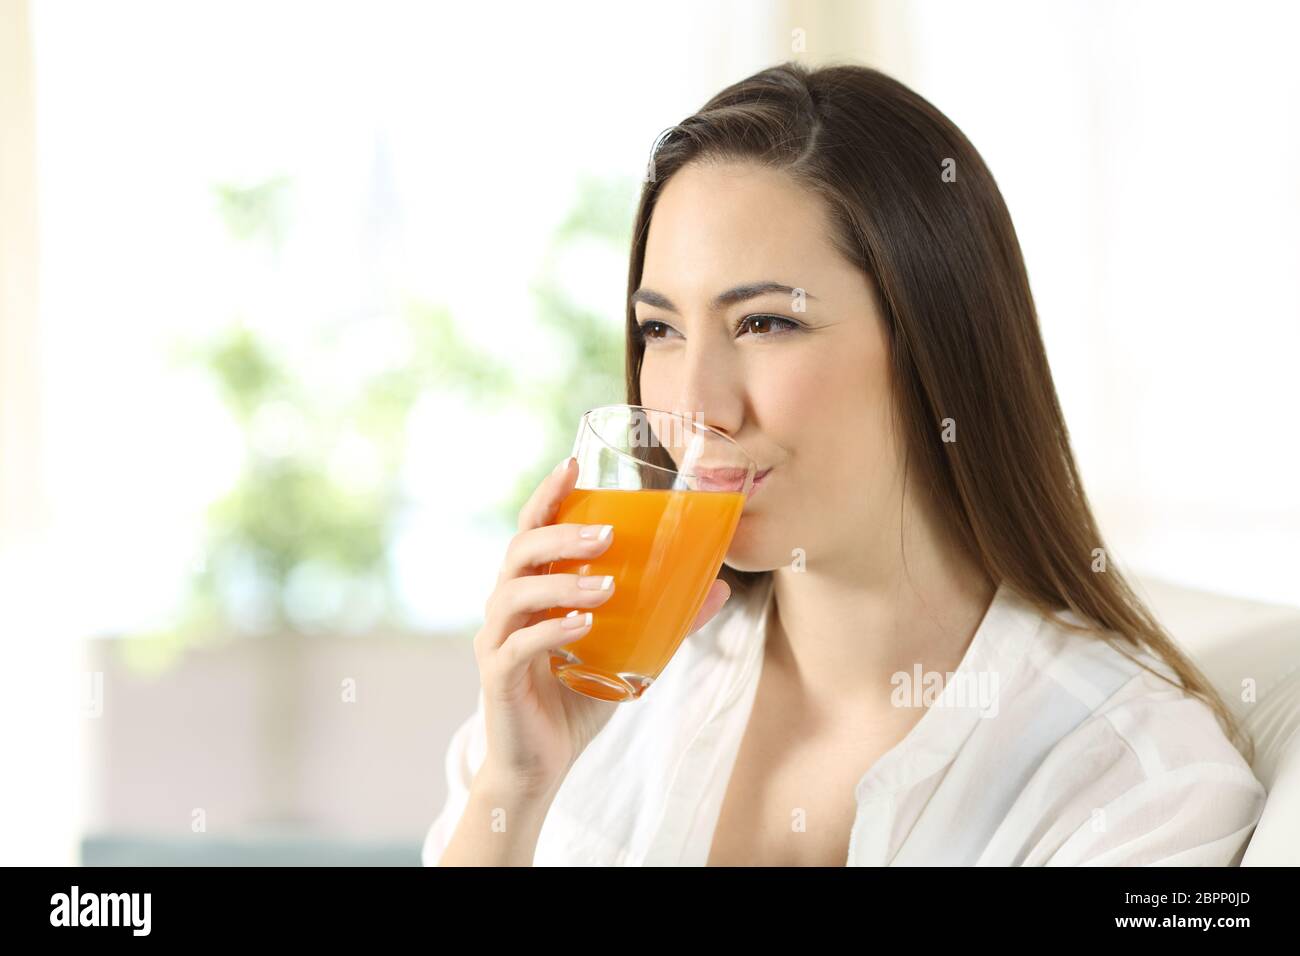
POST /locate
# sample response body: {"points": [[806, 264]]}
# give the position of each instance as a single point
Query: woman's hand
{"points": [[536, 726]]}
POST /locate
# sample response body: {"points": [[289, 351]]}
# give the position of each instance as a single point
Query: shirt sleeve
{"points": [[1200, 814], [464, 756]]}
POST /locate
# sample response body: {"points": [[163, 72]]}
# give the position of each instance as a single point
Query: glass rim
{"points": [[751, 469]]}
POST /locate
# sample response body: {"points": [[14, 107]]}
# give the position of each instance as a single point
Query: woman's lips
{"points": [[726, 479], [719, 479]]}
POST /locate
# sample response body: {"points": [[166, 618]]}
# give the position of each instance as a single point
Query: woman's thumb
{"points": [[718, 594]]}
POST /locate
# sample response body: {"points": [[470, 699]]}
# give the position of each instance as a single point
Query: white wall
{"points": [[1145, 150]]}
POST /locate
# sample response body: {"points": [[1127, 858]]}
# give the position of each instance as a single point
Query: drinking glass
{"points": [[673, 488]]}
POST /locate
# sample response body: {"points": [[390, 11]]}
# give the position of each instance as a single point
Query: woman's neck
{"points": [[842, 626]]}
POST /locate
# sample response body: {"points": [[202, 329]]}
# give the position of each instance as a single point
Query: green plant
{"points": [[291, 513], [592, 342], [292, 523]]}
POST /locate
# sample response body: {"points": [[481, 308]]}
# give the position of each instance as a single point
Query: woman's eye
{"points": [[760, 325], [653, 330], [765, 324]]}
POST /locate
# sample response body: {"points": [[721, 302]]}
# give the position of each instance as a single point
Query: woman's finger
{"points": [[718, 594], [514, 602], [540, 507], [526, 643], [537, 546]]}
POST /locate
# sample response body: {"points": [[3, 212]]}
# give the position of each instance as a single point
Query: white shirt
{"points": [[1078, 757]]}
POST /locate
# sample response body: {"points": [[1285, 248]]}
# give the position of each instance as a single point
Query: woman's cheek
{"points": [[791, 385], [831, 405], [658, 382]]}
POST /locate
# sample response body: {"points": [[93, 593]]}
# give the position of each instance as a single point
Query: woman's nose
{"points": [[709, 391]]}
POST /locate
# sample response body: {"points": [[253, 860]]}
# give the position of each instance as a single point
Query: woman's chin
{"points": [[750, 551]]}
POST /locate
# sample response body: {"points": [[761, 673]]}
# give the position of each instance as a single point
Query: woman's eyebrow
{"points": [[739, 294]]}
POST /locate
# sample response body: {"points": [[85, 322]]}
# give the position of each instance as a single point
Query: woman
{"points": [[823, 268]]}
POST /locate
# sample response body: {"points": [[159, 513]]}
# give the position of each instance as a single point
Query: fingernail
{"points": [[593, 583], [573, 620], [598, 531], [561, 466]]}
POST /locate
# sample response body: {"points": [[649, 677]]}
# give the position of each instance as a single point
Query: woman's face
{"points": [[806, 393]]}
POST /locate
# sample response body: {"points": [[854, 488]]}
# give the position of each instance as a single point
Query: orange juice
{"points": [[667, 549]]}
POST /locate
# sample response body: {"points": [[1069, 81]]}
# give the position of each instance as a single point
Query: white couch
{"points": [[1233, 640]]}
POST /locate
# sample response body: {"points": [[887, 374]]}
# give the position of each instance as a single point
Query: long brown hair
{"points": [[912, 203]]}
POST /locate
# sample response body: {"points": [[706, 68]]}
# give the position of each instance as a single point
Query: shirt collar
{"points": [[992, 661]]}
